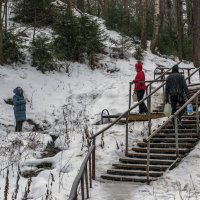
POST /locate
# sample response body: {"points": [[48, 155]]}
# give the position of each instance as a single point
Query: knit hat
{"points": [[175, 69]]}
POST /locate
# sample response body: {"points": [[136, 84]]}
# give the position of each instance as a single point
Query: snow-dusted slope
{"points": [[81, 95]]}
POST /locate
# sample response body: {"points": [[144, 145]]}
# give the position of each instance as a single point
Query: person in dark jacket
{"points": [[175, 90], [19, 108], [140, 87]]}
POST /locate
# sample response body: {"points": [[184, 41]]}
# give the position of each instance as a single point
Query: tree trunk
{"points": [[1, 35], [196, 33], [156, 25], [125, 4], [189, 16], [179, 29], [144, 25]]}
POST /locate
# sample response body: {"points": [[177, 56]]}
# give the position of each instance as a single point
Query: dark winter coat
{"points": [[19, 104], [175, 85], [140, 76]]}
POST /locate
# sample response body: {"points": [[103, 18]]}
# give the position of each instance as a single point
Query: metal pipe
{"points": [[93, 159], [126, 142], [149, 111], [176, 135], [148, 160], [130, 88], [197, 115], [82, 188], [86, 181], [189, 80], [90, 172]]}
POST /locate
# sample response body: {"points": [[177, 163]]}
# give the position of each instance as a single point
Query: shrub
{"points": [[76, 35], [12, 45], [138, 53], [41, 52]]}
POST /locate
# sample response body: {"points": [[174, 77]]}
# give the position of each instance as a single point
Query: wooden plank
{"points": [[144, 117]]}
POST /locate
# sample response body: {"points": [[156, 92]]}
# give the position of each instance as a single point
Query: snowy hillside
{"points": [[59, 107]]}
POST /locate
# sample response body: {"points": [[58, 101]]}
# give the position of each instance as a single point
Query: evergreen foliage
{"points": [[122, 45], [138, 53], [41, 52], [12, 48], [35, 12], [76, 35]]}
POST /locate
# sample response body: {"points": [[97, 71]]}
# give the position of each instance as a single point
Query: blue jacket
{"points": [[19, 104]]}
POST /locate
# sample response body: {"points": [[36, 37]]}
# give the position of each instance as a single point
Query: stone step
{"points": [[172, 135], [161, 150], [153, 156], [144, 161], [185, 126], [126, 178], [172, 140], [124, 172], [167, 130], [166, 145], [140, 167]]}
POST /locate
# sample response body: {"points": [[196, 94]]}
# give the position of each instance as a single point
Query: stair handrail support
{"points": [[148, 140]]}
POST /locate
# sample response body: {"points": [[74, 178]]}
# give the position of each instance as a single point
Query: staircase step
{"points": [[172, 135], [166, 145], [167, 130], [126, 178], [172, 140], [153, 156], [140, 166], [144, 161], [124, 172], [186, 126], [161, 150]]}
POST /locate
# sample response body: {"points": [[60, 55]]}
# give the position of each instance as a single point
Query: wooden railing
{"points": [[90, 157]]}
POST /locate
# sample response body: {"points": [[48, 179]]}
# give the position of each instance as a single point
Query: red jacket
{"points": [[140, 76]]}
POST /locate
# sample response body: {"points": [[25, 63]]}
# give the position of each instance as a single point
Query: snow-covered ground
{"points": [[63, 105]]}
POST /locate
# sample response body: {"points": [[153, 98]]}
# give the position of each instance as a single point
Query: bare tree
{"points": [[196, 32], [1, 34], [144, 25], [179, 29], [156, 25]]}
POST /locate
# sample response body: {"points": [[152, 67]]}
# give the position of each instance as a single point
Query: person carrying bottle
{"points": [[175, 89]]}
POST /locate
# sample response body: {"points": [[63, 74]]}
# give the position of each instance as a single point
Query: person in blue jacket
{"points": [[19, 108]]}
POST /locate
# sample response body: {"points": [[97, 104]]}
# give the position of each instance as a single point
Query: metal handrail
{"points": [[80, 177], [172, 116], [124, 114], [195, 96]]}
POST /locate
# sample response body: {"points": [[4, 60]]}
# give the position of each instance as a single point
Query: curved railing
{"points": [[91, 153], [83, 178]]}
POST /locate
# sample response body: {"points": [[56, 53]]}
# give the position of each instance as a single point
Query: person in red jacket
{"points": [[140, 87]]}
